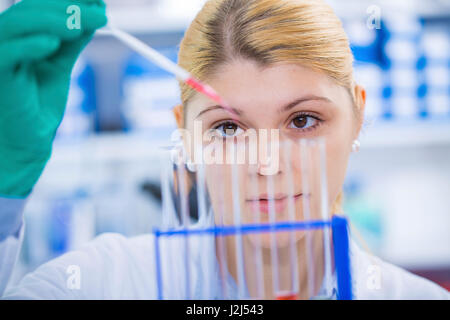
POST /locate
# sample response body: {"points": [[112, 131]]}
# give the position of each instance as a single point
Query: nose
{"points": [[268, 167], [269, 155], [279, 158]]}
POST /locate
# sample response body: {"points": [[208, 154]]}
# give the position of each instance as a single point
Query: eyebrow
{"points": [[295, 103], [281, 110], [236, 111]]}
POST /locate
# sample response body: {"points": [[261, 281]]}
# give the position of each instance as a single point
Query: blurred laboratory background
{"points": [[104, 172]]}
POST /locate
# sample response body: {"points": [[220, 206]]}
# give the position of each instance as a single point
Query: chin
{"points": [[282, 239]]}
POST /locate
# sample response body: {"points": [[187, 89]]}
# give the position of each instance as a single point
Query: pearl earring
{"points": [[356, 145]]}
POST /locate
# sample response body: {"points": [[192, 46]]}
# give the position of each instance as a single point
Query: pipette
{"points": [[166, 64]]}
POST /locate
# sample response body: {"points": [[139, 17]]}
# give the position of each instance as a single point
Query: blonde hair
{"points": [[305, 32]]}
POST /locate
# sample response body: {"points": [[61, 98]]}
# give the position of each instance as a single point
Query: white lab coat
{"points": [[115, 267]]}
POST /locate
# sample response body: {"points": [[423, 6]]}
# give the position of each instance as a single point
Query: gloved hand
{"points": [[37, 54]]}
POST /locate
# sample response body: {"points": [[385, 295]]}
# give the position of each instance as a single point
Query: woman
{"points": [[280, 64]]}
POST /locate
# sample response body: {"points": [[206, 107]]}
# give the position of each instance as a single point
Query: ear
{"points": [[178, 113], [360, 95]]}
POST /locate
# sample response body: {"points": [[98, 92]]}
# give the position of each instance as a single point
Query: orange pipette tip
{"points": [[289, 296], [209, 92]]}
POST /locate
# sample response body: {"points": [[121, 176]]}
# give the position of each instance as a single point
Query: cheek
{"points": [[220, 188], [338, 153], [339, 146]]}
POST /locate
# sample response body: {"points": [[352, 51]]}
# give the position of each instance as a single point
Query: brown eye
{"points": [[228, 129], [304, 121], [300, 121]]}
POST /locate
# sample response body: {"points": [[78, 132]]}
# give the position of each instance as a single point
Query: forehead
{"points": [[246, 85]]}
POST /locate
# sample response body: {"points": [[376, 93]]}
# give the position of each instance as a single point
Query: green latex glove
{"points": [[37, 54]]}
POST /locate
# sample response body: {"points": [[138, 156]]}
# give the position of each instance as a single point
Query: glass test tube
{"points": [[305, 171], [221, 243], [258, 241], [273, 239], [325, 215], [287, 147], [202, 210], [237, 221], [181, 177]]}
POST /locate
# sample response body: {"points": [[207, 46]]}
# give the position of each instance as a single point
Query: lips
{"points": [[265, 196], [280, 201]]}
